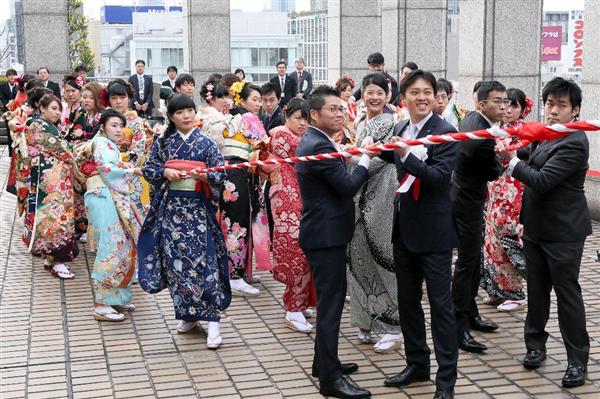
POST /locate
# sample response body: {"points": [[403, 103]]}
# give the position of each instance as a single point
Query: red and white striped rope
{"points": [[529, 132]]}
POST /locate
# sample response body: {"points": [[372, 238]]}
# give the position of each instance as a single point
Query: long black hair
{"points": [[176, 103]]}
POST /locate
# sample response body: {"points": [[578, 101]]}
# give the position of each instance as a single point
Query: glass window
{"points": [[254, 57], [283, 54], [263, 57], [273, 56]]}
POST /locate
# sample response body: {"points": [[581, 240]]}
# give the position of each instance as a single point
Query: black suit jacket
{"points": [[168, 84], [6, 94], [289, 91], [148, 92], [477, 162], [327, 194], [277, 119], [427, 224], [54, 87], [306, 77], [554, 203]]}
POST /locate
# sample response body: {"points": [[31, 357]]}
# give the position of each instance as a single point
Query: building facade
{"points": [[258, 41], [311, 29]]}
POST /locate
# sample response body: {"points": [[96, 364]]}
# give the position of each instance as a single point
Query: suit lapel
{"points": [[428, 127], [544, 148]]}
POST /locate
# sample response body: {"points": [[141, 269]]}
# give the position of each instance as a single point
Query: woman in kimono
{"points": [[290, 266], [83, 128], [71, 92], [503, 261], [181, 244], [216, 120], [372, 277], [114, 218], [137, 136], [344, 86], [243, 214], [49, 221]]}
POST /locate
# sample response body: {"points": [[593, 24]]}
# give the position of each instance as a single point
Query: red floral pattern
{"points": [[290, 265]]}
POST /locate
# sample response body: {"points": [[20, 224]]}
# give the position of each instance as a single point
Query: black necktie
{"points": [[267, 120]]}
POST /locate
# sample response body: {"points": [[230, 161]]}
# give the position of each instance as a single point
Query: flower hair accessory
{"points": [[80, 80], [235, 91], [103, 97], [345, 79], [209, 89], [528, 107]]}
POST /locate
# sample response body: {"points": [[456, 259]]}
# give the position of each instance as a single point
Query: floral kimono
{"points": [[50, 217], [67, 119], [81, 130], [18, 117], [181, 244], [137, 142], [242, 203], [290, 266], [114, 219]]}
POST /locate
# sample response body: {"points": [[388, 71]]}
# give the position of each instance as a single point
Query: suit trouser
{"points": [[468, 216], [328, 267], [435, 268], [556, 264]]}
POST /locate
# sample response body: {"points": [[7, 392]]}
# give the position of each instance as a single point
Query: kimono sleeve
{"points": [[109, 166], [214, 158], [154, 167]]}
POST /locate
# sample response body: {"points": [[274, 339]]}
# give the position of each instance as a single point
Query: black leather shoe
{"points": [[342, 388], [483, 326], [444, 394], [534, 358], [409, 375], [574, 376], [347, 368], [469, 344]]}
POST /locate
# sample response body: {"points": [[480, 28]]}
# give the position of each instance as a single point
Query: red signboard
{"points": [[551, 43]]}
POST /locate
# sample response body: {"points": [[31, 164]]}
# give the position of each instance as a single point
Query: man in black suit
{"points": [[303, 79], [142, 89], [287, 86], [376, 63], [170, 82], [270, 114], [44, 75], [326, 228], [423, 237], [556, 222], [476, 165], [8, 92], [8, 89]]}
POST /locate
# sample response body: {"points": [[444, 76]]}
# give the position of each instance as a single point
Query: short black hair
{"points": [[445, 85], [296, 104], [517, 96], [215, 77], [375, 59], [281, 62], [559, 87], [377, 79], [72, 81], [477, 86], [270, 87], [410, 65], [317, 97], [140, 62], [11, 72], [44, 67], [81, 68], [416, 75], [184, 78], [239, 70], [487, 87], [118, 87], [172, 68]]}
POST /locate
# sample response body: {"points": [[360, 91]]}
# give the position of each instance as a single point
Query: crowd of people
{"points": [[89, 163]]}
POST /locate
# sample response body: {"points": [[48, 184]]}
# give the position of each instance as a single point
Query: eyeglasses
{"points": [[498, 102], [334, 108]]}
